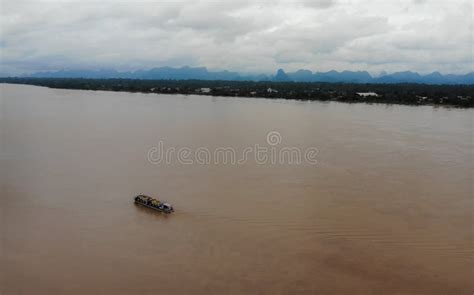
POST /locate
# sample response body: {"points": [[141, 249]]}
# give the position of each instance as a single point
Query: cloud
{"points": [[319, 3], [247, 36]]}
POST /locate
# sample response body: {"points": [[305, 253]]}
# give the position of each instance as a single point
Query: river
{"points": [[383, 206]]}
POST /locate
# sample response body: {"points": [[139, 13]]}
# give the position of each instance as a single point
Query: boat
{"points": [[153, 203]]}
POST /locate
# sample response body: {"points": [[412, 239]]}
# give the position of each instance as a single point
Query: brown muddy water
{"points": [[386, 210]]}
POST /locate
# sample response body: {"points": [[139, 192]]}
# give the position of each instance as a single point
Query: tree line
{"points": [[412, 94]]}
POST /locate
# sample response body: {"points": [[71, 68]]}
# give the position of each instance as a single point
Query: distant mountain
{"points": [[434, 78], [401, 77], [461, 79], [95, 74], [163, 73], [202, 73], [346, 76], [301, 76], [281, 76]]}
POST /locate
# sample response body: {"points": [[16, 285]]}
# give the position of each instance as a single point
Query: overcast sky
{"points": [[246, 36]]}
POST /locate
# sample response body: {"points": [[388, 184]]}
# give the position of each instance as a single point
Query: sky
{"points": [[258, 36]]}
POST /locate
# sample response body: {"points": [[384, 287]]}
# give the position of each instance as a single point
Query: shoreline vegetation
{"points": [[406, 93]]}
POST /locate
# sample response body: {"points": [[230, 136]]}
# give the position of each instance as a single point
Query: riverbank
{"points": [[408, 94]]}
